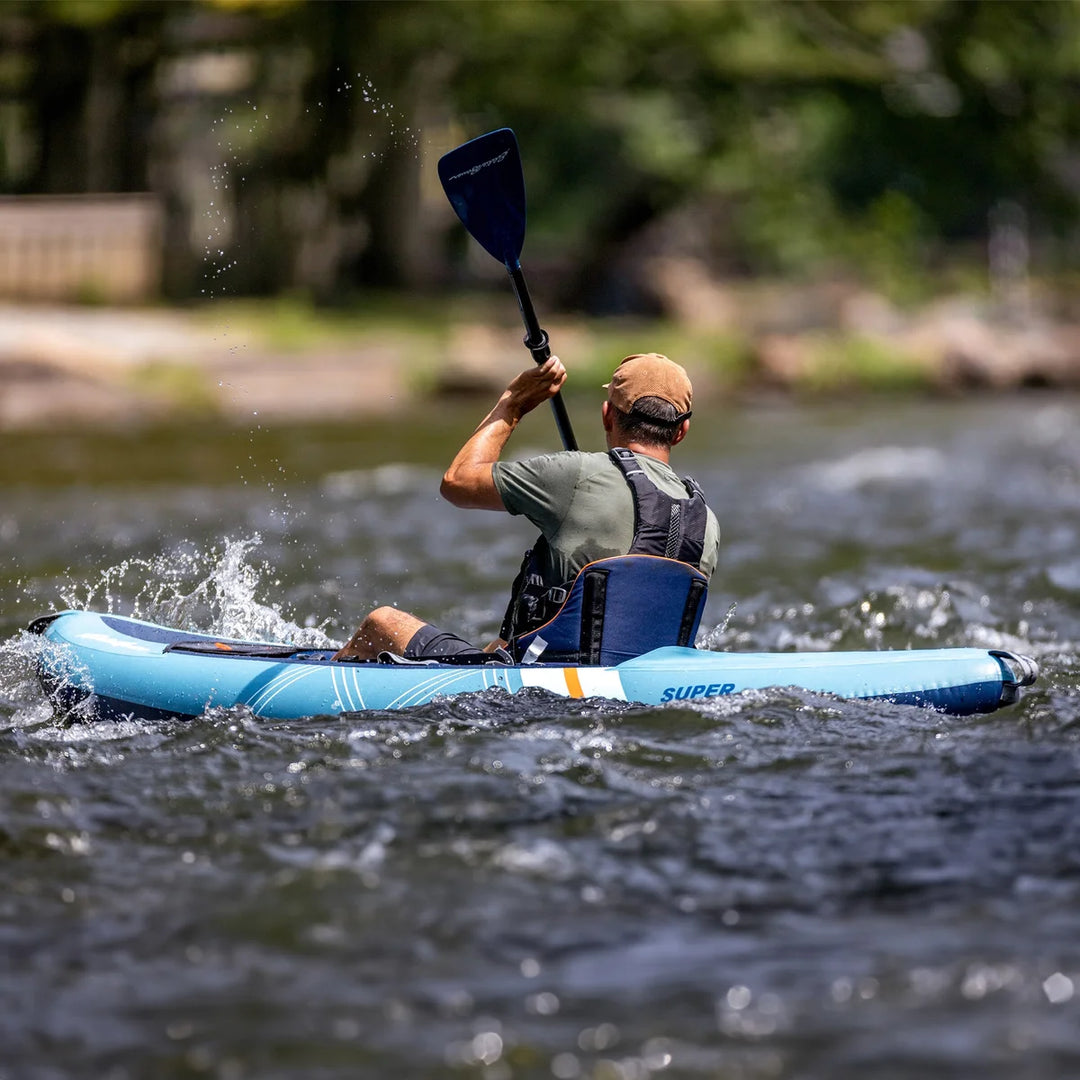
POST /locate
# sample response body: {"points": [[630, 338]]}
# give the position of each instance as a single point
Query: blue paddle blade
{"points": [[486, 187]]}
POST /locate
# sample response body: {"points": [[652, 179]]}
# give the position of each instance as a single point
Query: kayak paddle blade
{"points": [[485, 184]]}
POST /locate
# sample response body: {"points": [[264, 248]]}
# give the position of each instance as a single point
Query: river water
{"points": [[774, 885]]}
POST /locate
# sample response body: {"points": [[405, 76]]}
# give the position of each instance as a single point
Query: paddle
{"points": [[485, 184]]}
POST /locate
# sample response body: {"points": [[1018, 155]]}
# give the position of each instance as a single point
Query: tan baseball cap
{"points": [[650, 375]]}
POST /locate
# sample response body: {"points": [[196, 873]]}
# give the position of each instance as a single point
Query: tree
{"points": [[288, 139]]}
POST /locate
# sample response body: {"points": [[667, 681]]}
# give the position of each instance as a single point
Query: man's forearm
{"points": [[468, 482]]}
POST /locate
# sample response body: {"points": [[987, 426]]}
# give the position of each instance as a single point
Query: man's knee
{"points": [[381, 616], [392, 623], [386, 629]]}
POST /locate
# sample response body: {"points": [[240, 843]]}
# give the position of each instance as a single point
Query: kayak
{"points": [[114, 667]]}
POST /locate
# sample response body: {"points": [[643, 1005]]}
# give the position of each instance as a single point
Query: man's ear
{"points": [[684, 427], [607, 416]]}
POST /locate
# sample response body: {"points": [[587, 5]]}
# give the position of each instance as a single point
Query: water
{"points": [[767, 886]]}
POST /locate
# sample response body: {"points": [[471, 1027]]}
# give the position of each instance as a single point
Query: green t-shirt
{"points": [[582, 505]]}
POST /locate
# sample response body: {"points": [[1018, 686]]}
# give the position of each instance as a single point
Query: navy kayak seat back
{"points": [[617, 609]]}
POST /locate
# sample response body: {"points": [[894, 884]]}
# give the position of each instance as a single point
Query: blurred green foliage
{"points": [[839, 363], [293, 142]]}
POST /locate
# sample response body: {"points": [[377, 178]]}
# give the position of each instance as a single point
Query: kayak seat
{"points": [[617, 609]]}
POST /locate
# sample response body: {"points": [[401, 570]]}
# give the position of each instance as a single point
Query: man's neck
{"points": [[657, 453]]}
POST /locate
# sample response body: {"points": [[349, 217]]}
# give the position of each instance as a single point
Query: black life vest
{"points": [[663, 526]]}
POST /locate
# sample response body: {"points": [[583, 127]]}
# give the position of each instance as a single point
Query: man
{"points": [[587, 506]]}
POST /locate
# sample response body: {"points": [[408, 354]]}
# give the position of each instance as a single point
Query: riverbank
{"points": [[280, 360]]}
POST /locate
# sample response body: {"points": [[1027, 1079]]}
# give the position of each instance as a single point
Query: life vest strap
{"points": [[593, 607], [663, 525], [691, 616]]}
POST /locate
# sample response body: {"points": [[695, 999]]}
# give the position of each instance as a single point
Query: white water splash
{"points": [[881, 465], [909, 615], [213, 591]]}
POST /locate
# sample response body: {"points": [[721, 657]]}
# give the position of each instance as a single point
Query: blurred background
{"points": [[804, 194]]}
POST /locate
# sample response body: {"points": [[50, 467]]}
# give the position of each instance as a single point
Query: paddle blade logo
{"points": [[483, 165], [485, 185]]}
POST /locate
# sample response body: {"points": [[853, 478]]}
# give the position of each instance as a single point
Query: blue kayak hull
{"points": [[115, 666]]}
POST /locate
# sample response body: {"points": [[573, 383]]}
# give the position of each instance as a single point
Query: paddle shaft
{"points": [[536, 341]]}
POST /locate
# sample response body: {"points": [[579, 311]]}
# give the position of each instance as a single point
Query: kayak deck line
{"points": [[109, 666]]}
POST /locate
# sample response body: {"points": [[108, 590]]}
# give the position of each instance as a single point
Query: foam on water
{"points": [[883, 465]]}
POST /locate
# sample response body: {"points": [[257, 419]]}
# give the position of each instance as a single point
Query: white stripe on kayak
{"points": [[426, 690], [276, 685], [567, 682], [345, 696], [601, 682], [576, 681], [552, 679], [356, 686]]}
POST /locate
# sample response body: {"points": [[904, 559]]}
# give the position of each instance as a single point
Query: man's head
{"points": [[649, 400]]}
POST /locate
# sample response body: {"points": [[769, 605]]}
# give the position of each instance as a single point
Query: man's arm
{"points": [[468, 482]]}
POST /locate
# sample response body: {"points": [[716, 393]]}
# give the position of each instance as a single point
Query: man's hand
{"points": [[468, 482], [533, 387]]}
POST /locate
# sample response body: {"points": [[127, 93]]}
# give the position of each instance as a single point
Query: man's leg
{"points": [[386, 629]]}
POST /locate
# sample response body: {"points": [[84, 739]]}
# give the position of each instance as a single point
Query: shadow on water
{"points": [[777, 884]]}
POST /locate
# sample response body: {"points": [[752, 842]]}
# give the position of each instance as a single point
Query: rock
{"points": [[480, 360], [783, 359], [688, 294]]}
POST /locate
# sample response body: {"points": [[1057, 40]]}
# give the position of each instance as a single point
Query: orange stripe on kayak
{"points": [[573, 683]]}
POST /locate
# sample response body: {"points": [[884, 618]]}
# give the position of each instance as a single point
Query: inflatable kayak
{"points": [[116, 667]]}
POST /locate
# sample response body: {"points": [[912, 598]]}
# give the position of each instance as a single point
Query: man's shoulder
{"points": [[663, 474], [562, 462]]}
